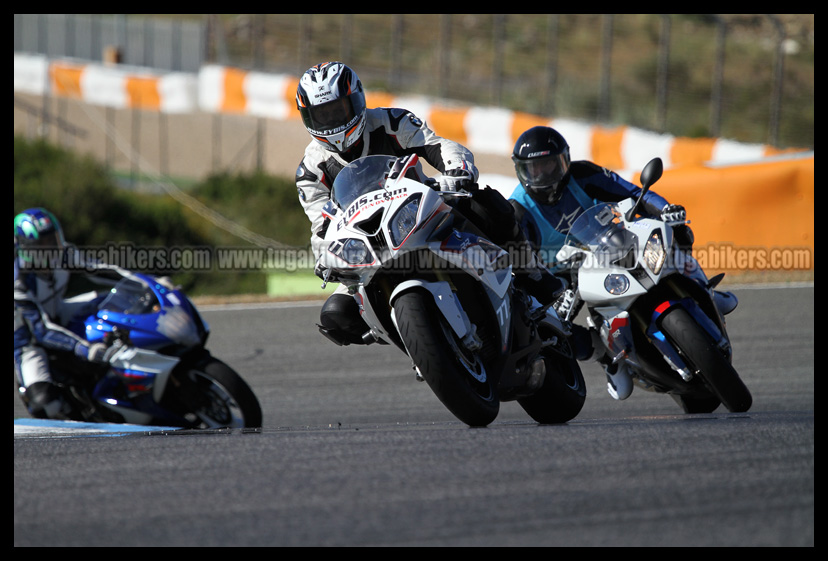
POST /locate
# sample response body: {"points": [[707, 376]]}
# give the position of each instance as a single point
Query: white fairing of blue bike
{"points": [[177, 325], [145, 367]]}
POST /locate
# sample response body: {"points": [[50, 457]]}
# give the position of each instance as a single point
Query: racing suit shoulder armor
{"points": [[393, 117], [584, 168], [304, 174]]}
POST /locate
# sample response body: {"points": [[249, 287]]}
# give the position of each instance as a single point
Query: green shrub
{"points": [[94, 211], [262, 203]]}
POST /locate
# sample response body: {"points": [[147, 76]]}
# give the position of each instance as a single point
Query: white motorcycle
{"points": [[658, 318], [428, 282]]}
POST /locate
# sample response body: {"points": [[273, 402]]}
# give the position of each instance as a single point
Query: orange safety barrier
{"points": [[448, 122], [143, 92], [235, 100], [66, 79], [524, 121], [290, 97], [606, 147], [757, 216], [374, 99]]}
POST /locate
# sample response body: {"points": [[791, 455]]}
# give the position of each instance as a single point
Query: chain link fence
{"points": [[747, 77]]}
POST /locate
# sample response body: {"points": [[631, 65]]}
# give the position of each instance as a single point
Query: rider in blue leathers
{"points": [[552, 193], [41, 279]]}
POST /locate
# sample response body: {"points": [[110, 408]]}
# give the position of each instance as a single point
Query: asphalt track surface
{"points": [[355, 452]]}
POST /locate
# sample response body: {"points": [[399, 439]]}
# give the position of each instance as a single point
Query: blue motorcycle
{"points": [[161, 374]]}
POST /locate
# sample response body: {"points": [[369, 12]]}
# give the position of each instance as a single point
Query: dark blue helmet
{"points": [[541, 158]]}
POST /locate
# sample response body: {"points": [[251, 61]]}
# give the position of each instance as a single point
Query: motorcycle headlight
{"points": [[355, 252], [616, 284], [654, 253], [404, 221]]}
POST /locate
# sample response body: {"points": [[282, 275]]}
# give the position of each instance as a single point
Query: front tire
{"points": [[212, 395], [457, 377], [708, 362]]}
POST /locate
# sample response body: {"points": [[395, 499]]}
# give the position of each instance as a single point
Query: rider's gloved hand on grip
{"points": [[456, 179], [673, 213], [325, 273], [565, 303], [101, 352]]}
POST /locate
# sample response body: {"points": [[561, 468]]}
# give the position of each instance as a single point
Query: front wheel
{"points": [[212, 395], [562, 395], [706, 360], [457, 376]]}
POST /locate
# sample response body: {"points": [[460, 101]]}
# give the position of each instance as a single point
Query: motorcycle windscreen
{"points": [[601, 229], [361, 176]]}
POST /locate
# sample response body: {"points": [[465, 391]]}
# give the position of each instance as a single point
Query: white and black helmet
{"points": [[331, 101], [541, 157]]}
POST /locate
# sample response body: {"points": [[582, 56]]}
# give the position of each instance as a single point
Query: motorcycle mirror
{"points": [[651, 172], [649, 175]]}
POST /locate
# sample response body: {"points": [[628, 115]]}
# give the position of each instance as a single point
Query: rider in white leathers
{"points": [[331, 101], [389, 131]]}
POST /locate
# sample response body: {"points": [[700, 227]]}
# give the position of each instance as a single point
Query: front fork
{"points": [[618, 336]]}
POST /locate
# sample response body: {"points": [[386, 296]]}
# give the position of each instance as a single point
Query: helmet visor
{"points": [[43, 253], [333, 117], [48, 240], [538, 173]]}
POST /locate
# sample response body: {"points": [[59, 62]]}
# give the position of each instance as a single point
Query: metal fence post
{"points": [[778, 80], [499, 39], [606, 69], [548, 105], [662, 77], [718, 77], [395, 68], [445, 54]]}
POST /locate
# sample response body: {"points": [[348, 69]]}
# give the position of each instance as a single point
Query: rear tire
{"points": [[457, 376], [709, 363], [691, 404], [562, 395]]}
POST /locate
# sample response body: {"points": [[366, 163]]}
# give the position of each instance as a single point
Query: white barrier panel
{"points": [[111, 86], [31, 73], [489, 130]]}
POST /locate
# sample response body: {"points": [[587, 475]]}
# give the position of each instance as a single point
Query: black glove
{"points": [[321, 270], [673, 213]]}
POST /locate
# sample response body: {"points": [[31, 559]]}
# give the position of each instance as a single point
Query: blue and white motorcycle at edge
{"points": [[162, 373], [651, 308]]}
